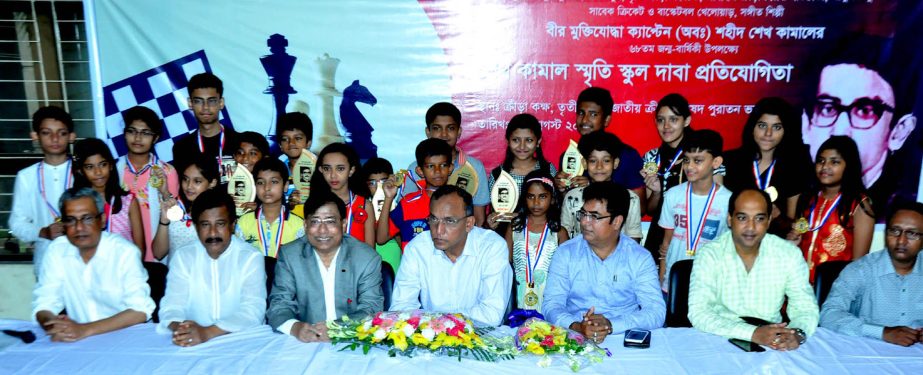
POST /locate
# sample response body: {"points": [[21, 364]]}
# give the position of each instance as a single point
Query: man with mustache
{"points": [[879, 295], [95, 275], [216, 285], [743, 277], [455, 266], [323, 276]]}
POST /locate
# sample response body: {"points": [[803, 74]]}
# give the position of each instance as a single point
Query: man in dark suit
{"points": [[324, 277]]}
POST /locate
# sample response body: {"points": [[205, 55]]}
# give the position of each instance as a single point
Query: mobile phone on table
{"points": [[747, 346], [637, 338]]}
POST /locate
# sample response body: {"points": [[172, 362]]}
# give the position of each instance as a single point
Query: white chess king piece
{"points": [[329, 133]]}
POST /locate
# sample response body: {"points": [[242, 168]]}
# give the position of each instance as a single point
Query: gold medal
{"points": [[399, 177], [801, 226], [650, 168], [155, 180], [531, 299], [773, 193], [690, 252]]}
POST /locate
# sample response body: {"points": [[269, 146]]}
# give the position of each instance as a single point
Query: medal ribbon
{"points": [[186, 217], [220, 146], [131, 168], [760, 183], [41, 186], [109, 214], [666, 172], [530, 268], [692, 238], [823, 220], [349, 212], [264, 237]]}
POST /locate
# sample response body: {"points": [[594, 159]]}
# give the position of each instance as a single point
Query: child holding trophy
{"points": [[271, 225], [523, 155], [533, 237]]}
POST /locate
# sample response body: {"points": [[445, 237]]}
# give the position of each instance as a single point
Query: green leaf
{"points": [[365, 348]]}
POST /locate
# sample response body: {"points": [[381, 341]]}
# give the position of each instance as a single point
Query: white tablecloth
{"points": [[139, 350]]}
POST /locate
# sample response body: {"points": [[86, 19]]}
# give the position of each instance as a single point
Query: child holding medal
{"points": [[142, 173], [533, 237], [772, 158], [94, 167], [694, 212], [336, 172], [35, 216], [175, 228], [252, 148], [837, 212], [271, 225]]}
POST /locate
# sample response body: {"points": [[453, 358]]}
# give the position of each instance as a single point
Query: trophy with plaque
{"points": [[466, 178], [378, 199], [504, 195], [241, 188], [304, 167], [572, 162]]}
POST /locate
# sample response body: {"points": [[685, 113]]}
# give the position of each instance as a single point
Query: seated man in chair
{"points": [[324, 275], [745, 273], [880, 295], [95, 275], [217, 284]]}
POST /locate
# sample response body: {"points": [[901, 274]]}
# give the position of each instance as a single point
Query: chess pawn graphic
{"points": [[329, 133]]}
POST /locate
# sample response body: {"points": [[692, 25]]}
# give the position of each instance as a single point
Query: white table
{"points": [[139, 350]]}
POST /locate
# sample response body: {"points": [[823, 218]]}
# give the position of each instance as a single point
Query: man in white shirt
{"points": [[455, 266], [96, 276], [325, 276], [216, 285]]}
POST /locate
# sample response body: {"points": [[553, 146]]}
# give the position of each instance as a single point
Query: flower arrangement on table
{"points": [[408, 332], [544, 339]]}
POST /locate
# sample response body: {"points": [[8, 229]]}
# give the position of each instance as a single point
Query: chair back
{"points": [[387, 283], [270, 264], [678, 301], [824, 276], [157, 280]]}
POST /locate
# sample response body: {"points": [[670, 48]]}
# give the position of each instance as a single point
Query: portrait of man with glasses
{"points": [[455, 265], [94, 275], [856, 101]]}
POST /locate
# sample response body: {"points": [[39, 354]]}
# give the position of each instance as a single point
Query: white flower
{"points": [[380, 334], [408, 330], [368, 325], [449, 324], [428, 333], [544, 362]]}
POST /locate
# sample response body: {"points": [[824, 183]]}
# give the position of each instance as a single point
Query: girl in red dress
{"points": [[836, 219]]}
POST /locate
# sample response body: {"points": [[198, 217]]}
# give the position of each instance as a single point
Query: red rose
{"points": [[414, 322]]}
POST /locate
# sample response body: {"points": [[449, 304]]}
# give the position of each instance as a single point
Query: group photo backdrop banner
{"points": [[366, 71]]}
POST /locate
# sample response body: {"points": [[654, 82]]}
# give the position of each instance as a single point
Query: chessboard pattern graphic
{"points": [[162, 89]]}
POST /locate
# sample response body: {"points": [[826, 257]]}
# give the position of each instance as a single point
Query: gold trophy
{"points": [[241, 188], [572, 162], [465, 178], [504, 195], [304, 167]]}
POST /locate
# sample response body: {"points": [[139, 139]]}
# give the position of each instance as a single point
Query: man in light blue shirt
{"points": [[455, 267], [881, 294], [602, 282]]}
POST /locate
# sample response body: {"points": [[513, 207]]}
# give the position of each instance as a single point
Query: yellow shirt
{"points": [[249, 230]]}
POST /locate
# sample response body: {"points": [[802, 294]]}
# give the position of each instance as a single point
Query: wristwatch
{"points": [[799, 334]]}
